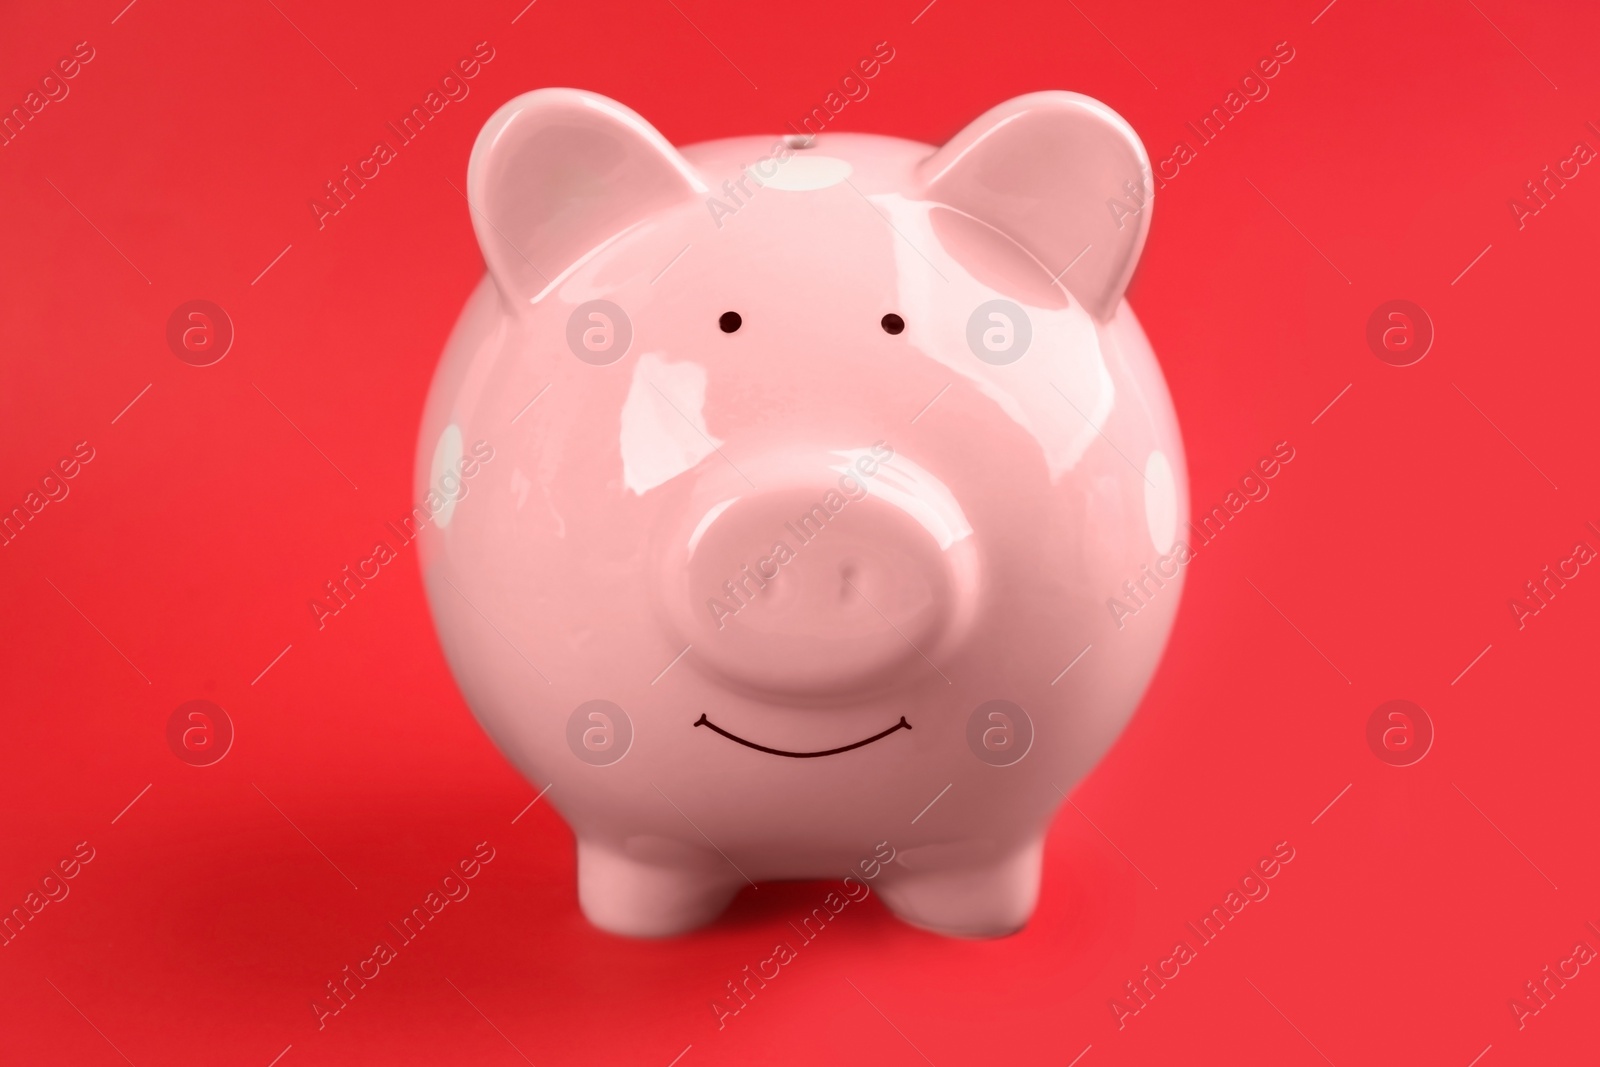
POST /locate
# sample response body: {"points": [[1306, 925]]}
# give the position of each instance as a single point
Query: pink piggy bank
{"points": [[778, 490]]}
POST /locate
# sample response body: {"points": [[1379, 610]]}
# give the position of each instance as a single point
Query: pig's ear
{"points": [[1060, 174], [555, 174]]}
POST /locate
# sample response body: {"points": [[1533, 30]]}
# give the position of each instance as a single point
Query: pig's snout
{"points": [[823, 580]]}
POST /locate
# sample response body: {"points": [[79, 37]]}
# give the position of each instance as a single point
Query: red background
{"points": [[182, 562]]}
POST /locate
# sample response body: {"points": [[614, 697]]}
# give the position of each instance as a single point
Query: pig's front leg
{"points": [[675, 889], [964, 890]]}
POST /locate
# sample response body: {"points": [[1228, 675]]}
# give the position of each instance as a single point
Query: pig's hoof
{"points": [[966, 899], [627, 896]]}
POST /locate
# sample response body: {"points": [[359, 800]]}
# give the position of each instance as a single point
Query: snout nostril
{"points": [[847, 577], [810, 587]]}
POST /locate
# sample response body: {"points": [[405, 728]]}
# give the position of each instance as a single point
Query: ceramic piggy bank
{"points": [[779, 489]]}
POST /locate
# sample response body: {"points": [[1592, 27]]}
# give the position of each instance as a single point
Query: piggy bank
{"points": [[778, 495]]}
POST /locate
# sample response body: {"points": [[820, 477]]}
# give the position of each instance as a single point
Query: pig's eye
{"points": [[730, 321], [893, 323]]}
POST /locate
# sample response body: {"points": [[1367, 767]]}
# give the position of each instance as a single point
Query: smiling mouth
{"points": [[703, 721]]}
